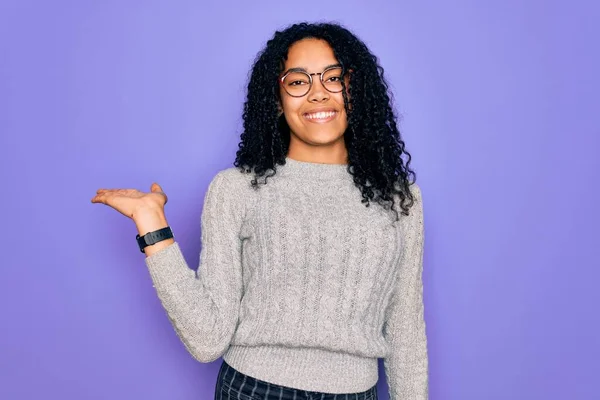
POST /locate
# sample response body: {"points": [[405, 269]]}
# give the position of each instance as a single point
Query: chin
{"points": [[324, 138], [320, 135]]}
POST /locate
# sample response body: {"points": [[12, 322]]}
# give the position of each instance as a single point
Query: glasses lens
{"points": [[332, 79], [296, 83]]}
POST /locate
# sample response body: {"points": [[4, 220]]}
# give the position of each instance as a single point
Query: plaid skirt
{"points": [[233, 385]]}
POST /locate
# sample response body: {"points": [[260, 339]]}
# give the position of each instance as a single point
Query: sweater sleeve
{"points": [[406, 366], [203, 306]]}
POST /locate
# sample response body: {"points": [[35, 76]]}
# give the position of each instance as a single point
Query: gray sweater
{"points": [[301, 285]]}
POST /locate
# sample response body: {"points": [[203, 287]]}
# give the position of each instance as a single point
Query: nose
{"points": [[317, 92]]}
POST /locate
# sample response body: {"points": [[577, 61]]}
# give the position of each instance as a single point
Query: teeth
{"points": [[320, 115]]}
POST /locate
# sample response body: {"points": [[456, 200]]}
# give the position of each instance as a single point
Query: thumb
{"points": [[155, 187]]}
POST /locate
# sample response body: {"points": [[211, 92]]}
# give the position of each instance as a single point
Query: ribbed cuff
{"points": [[305, 368]]}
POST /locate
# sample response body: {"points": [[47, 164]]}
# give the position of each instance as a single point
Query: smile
{"points": [[321, 116]]}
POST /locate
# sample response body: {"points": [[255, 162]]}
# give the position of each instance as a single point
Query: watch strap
{"points": [[153, 237]]}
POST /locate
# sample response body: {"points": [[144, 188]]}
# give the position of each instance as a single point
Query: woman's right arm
{"points": [[203, 307]]}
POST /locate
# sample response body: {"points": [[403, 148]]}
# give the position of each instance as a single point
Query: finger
{"points": [[103, 197], [155, 187], [160, 189], [113, 190], [100, 191], [100, 198]]}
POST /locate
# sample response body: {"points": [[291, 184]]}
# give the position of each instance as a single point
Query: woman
{"points": [[302, 283]]}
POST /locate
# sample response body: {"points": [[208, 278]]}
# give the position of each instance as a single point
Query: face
{"points": [[318, 119]]}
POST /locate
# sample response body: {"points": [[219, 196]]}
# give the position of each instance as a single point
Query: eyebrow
{"points": [[302, 69]]}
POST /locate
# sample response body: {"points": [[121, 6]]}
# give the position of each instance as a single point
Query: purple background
{"points": [[500, 111]]}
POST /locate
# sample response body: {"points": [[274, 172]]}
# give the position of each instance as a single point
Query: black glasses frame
{"points": [[310, 79]]}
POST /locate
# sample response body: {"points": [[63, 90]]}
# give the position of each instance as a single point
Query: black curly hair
{"points": [[375, 147]]}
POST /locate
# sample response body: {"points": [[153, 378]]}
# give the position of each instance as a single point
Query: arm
{"points": [[406, 367], [203, 306]]}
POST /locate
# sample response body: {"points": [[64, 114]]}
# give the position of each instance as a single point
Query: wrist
{"points": [[147, 212], [149, 220]]}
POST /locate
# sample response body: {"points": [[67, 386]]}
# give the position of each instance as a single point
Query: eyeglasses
{"points": [[297, 82]]}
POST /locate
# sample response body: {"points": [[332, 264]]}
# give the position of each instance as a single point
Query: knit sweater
{"points": [[301, 285]]}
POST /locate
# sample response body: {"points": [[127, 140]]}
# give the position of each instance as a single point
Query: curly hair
{"points": [[374, 144]]}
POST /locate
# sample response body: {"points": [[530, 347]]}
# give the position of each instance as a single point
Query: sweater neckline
{"points": [[307, 169]]}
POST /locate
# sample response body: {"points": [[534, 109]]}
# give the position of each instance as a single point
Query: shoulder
{"points": [[415, 210], [233, 187], [229, 191], [232, 179], [415, 189]]}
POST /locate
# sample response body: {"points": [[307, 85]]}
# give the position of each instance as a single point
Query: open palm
{"points": [[131, 201]]}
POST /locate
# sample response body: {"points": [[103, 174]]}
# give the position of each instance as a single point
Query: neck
{"points": [[313, 170], [334, 152]]}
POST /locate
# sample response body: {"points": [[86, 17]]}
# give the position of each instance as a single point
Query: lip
{"points": [[320, 109], [322, 120]]}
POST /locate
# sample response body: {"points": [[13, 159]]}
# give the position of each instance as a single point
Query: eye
{"points": [[334, 79], [297, 83]]}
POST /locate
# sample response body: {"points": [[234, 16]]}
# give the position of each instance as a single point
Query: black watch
{"points": [[153, 237]]}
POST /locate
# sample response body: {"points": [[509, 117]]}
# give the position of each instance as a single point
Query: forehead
{"points": [[311, 54]]}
